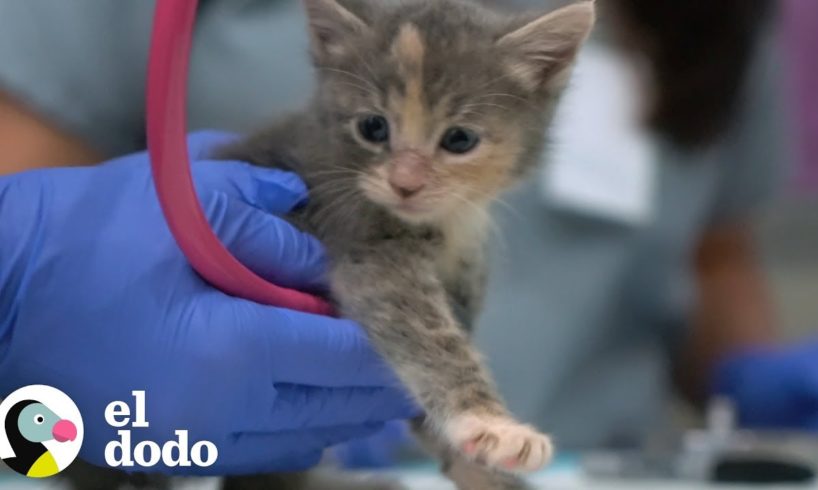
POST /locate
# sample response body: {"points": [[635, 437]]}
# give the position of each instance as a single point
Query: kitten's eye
{"points": [[459, 140], [374, 129]]}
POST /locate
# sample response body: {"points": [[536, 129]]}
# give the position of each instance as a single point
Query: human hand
{"points": [[97, 300], [380, 450], [772, 388]]}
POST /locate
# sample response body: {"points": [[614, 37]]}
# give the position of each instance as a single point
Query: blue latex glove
{"points": [[97, 300], [773, 388], [378, 451]]}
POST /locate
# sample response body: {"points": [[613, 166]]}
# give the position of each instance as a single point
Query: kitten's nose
{"points": [[408, 173], [405, 191]]}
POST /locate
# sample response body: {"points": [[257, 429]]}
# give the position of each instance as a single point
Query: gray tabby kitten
{"points": [[425, 111]]}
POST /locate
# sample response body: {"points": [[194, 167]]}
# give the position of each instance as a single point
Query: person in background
{"points": [[801, 36], [591, 319]]}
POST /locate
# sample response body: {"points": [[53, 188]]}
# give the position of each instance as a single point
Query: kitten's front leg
{"points": [[465, 288], [395, 294]]}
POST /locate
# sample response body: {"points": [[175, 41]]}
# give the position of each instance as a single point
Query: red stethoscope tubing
{"points": [[167, 144]]}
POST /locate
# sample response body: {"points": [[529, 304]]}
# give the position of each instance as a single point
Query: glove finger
{"points": [[300, 348], [810, 380], [812, 423], [318, 351], [268, 245], [303, 407], [305, 441], [379, 450], [271, 190]]}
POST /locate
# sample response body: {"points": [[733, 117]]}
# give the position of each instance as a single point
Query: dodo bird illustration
{"points": [[28, 425]]}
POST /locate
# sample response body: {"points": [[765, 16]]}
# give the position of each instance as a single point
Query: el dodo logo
{"points": [[41, 431]]}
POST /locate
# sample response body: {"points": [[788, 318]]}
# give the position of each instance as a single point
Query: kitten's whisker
{"points": [[494, 228], [365, 90], [495, 81], [334, 182], [508, 207], [351, 75], [336, 186], [338, 170], [471, 112], [487, 104], [365, 65], [494, 199], [345, 201], [322, 173], [339, 166], [510, 96], [330, 189]]}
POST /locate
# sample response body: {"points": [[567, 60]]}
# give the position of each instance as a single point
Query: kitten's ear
{"points": [[332, 26], [547, 46]]}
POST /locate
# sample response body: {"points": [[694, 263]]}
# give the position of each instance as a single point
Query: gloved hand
{"points": [[97, 301], [772, 388], [378, 451]]}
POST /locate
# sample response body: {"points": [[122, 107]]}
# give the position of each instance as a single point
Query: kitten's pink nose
{"points": [[408, 174], [406, 191]]}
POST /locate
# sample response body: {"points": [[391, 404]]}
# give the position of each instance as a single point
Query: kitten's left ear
{"points": [[332, 27], [547, 47]]}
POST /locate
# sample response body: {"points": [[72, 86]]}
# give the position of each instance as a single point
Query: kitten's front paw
{"points": [[499, 442]]}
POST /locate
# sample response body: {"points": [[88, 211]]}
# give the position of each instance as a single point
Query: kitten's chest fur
{"points": [[452, 247], [462, 246]]}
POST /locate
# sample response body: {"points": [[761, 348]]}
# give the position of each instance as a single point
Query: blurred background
{"points": [[616, 313], [788, 228]]}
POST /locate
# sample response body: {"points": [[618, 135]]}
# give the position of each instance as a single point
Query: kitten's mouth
{"points": [[410, 206], [411, 209], [414, 210]]}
